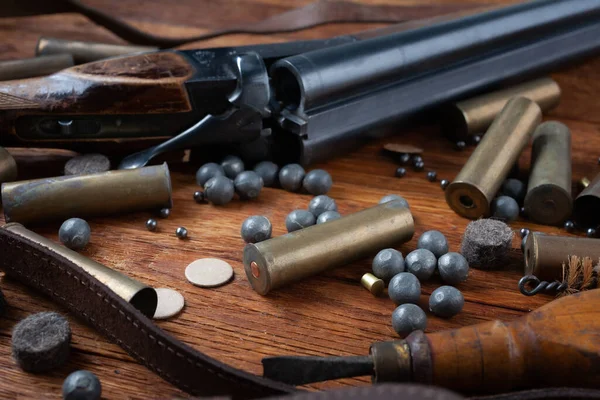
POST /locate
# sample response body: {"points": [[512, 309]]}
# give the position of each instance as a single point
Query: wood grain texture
{"points": [[330, 314]]}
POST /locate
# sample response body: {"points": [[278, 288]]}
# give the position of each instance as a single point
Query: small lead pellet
{"points": [[400, 172], [446, 301], [444, 183], [394, 197], [199, 196], [268, 171], [317, 181], [320, 204], [81, 385], [419, 166], [165, 212], [460, 145], [421, 263], [408, 318], [299, 219], [404, 288], [524, 232], [569, 226], [505, 208], [514, 188], [219, 190], [291, 177], [248, 185], [591, 233], [209, 272], [387, 264], [328, 216], [74, 233], [256, 229], [431, 176], [151, 224], [434, 241], [233, 166], [453, 268], [181, 233], [208, 171]]}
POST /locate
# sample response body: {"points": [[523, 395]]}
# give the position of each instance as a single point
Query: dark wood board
{"points": [[330, 314]]}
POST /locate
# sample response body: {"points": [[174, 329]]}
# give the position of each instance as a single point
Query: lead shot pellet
{"points": [[208, 171], [434, 241], [233, 166], [291, 176], [446, 301], [181, 233], [421, 263], [387, 264], [248, 185], [317, 181], [74, 233], [505, 208], [320, 204], [151, 224], [268, 171], [256, 229], [569, 226], [165, 212], [408, 318], [299, 219], [431, 176], [524, 232], [453, 268], [81, 385], [514, 188], [404, 288], [400, 172], [219, 190], [199, 196], [444, 183]]}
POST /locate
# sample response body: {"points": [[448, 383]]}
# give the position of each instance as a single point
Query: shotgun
{"points": [[304, 101]]}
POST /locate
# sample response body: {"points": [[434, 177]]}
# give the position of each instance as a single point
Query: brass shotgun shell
{"points": [[478, 182], [31, 67], [548, 200], [87, 195], [297, 255], [545, 254], [372, 283], [8, 166], [474, 116], [84, 52], [587, 205], [136, 293]]}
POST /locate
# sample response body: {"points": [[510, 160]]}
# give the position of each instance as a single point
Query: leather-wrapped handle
{"points": [[86, 297]]}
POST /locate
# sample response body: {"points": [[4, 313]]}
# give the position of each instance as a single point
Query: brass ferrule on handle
{"points": [[548, 200], [8, 166], [475, 115], [84, 52], [285, 259], [545, 254], [139, 295], [587, 205], [87, 195], [471, 193]]}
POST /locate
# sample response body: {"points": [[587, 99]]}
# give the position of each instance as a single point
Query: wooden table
{"points": [[330, 314]]}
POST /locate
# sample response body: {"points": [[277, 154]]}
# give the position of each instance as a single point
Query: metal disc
{"points": [[170, 303], [209, 272]]}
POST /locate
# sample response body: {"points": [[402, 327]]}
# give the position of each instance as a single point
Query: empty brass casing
{"points": [[372, 283], [476, 185], [31, 67], [474, 116], [545, 254], [86, 195], [136, 293], [548, 199], [8, 166], [83, 52], [587, 205], [297, 255]]}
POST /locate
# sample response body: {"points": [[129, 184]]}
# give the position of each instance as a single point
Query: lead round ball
{"points": [[404, 288], [434, 241], [408, 318], [232, 166], [248, 185], [453, 268], [219, 190], [446, 301], [328, 216], [299, 219], [181, 233], [317, 181], [256, 229], [74, 233], [81, 385], [291, 176], [320, 204], [208, 171]]}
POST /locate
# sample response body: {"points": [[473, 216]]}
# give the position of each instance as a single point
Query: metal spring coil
{"points": [[539, 286]]}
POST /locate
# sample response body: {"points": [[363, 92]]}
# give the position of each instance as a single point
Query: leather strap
{"points": [[86, 297], [317, 13]]}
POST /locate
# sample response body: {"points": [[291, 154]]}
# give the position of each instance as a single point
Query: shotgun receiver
{"points": [[306, 100]]}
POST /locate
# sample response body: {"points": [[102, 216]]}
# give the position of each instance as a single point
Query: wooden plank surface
{"points": [[330, 314]]}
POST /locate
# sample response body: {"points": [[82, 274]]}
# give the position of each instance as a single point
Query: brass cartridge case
{"points": [[8, 166], [474, 116], [545, 254], [587, 205], [84, 52], [548, 200], [31, 67], [139, 295], [478, 182], [282, 260], [87, 195], [372, 283]]}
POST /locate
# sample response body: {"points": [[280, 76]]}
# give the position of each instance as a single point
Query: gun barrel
{"points": [[315, 78]]}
